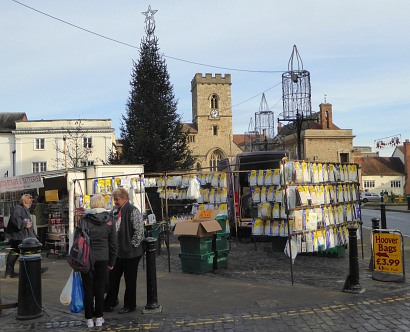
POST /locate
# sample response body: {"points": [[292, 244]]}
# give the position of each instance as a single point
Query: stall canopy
{"points": [[21, 182]]}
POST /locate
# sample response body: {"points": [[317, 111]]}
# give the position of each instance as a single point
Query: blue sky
{"points": [[357, 53]]}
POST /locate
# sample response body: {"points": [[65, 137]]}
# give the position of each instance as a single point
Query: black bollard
{"points": [[352, 281], [375, 225], [408, 201], [29, 304], [152, 305], [383, 215]]}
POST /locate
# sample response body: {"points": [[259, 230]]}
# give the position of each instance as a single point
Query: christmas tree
{"points": [[151, 129]]}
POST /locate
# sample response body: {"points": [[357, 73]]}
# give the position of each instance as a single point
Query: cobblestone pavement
{"points": [[383, 306], [384, 314], [247, 261]]}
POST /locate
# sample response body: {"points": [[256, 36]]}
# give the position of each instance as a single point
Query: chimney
{"points": [[279, 126], [325, 113]]}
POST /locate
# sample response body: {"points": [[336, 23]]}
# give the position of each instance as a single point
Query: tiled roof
{"points": [[400, 148], [239, 139], [8, 120], [189, 127], [381, 166]]}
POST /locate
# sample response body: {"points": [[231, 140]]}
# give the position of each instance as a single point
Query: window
{"points": [[215, 130], [86, 163], [395, 184], [191, 138], [39, 167], [215, 157], [368, 184], [214, 102], [40, 144], [88, 142], [344, 158]]}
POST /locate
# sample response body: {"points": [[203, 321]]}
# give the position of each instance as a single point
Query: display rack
{"points": [[174, 191], [57, 236], [309, 202], [321, 199], [264, 202]]}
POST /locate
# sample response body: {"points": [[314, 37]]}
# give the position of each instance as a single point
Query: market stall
{"points": [[306, 205]]}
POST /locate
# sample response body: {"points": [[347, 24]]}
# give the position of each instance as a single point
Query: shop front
{"points": [[64, 195]]}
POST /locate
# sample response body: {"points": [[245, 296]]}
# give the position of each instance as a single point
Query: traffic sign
{"points": [[388, 255]]}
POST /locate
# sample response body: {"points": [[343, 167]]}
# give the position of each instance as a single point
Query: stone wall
{"points": [[214, 134]]}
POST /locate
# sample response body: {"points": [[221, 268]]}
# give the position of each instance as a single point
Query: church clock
{"points": [[214, 114]]}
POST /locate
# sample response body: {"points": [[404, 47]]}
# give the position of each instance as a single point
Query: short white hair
{"points": [[97, 201]]}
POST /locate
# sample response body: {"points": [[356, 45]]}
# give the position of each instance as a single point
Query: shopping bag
{"points": [[65, 296], [77, 294]]}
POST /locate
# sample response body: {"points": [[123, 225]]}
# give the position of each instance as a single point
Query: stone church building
{"points": [[211, 138], [210, 133]]}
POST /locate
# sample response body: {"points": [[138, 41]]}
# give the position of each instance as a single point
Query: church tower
{"points": [[210, 135]]}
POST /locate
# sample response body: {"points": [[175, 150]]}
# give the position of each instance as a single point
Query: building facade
{"points": [[7, 142], [210, 133], [44, 145], [403, 153], [379, 174], [321, 140]]}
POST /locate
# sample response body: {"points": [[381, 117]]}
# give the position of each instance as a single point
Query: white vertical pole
{"points": [[71, 209]]}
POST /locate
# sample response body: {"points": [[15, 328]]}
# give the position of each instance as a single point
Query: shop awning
{"points": [[21, 182]]}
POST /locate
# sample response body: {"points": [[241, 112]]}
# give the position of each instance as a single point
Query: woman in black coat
{"points": [[101, 230], [130, 236]]}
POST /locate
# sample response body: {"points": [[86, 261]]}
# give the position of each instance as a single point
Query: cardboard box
{"points": [[203, 224]]}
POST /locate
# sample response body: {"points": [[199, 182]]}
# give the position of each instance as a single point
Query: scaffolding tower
{"points": [[261, 132], [250, 137]]}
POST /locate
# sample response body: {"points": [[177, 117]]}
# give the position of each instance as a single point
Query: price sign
{"points": [[387, 253], [205, 214]]}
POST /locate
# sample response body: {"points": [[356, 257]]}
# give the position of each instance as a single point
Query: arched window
{"points": [[214, 158], [214, 102], [198, 166]]}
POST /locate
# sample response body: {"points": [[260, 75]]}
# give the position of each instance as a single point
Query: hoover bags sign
{"points": [[22, 182], [388, 255]]}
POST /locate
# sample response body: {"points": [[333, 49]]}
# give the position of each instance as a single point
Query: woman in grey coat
{"points": [[20, 226]]}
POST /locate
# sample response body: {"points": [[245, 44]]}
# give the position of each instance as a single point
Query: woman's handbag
{"points": [[77, 294]]}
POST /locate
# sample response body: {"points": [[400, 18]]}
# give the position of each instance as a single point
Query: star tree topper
{"points": [[149, 21], [149, 14]]}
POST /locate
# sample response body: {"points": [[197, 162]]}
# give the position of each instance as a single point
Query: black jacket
{"points": [[16, 228], [131, 232], [101, 230]]}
